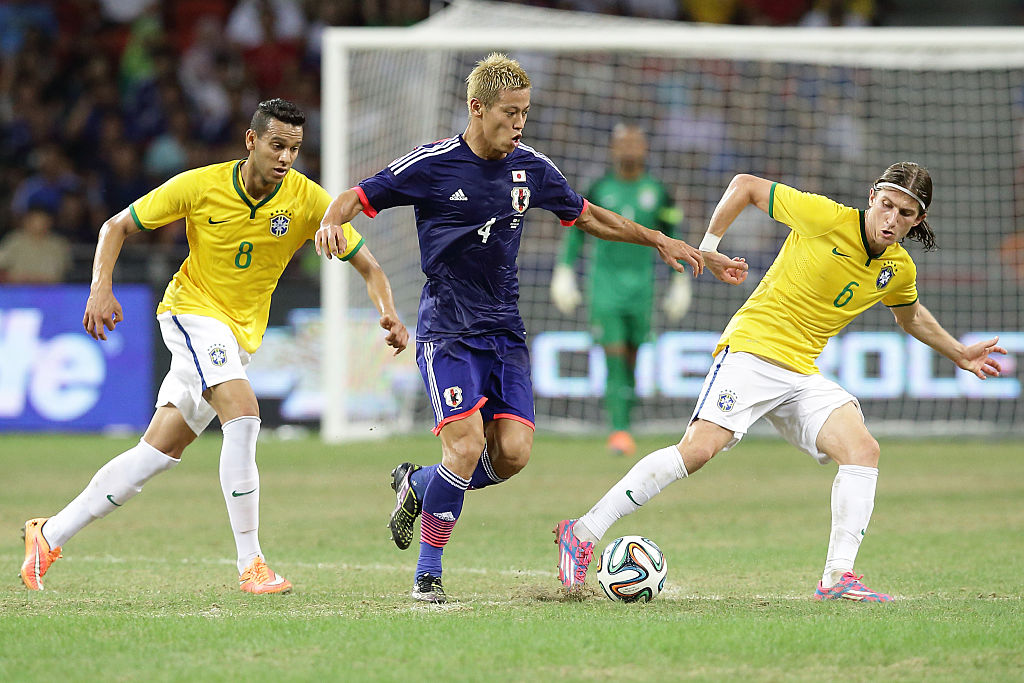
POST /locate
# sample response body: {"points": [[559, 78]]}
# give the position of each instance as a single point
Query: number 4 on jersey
{"points": [[485, 231]]}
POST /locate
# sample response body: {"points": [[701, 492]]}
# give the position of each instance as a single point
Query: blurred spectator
{"points": [[840, 13], [79, 217], [167, 154], [46, 187], [247, 29], [395, 12], [276, 56], [32, 252], [773, 12], [122, 178], [710, 11], [203, 74], [19, 17], [124, 11]]}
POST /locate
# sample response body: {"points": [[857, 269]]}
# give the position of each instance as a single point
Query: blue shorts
{"points": [[487, 373]]}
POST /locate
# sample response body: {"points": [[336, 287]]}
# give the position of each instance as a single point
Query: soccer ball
{"points": [[631, 569]]}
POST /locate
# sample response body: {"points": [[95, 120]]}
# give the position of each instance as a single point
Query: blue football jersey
{"points": [[469, 216]]}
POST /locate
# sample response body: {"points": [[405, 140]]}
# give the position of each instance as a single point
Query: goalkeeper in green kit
{"points": [[620, 277]]}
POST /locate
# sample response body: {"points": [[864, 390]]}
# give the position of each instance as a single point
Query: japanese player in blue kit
{"points": [[470, 193]]}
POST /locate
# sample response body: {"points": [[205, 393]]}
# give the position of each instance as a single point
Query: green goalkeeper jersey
{"points": [[620, 276]]}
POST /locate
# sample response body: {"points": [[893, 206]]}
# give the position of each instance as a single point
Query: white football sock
{"points": [[111, 487], [645, 480], [240, 483], [853, 498]]}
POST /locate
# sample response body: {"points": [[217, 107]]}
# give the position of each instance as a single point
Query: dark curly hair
{"points": [[915, 178], [282, 110]]}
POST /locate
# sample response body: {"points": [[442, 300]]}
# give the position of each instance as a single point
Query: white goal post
{"points": [[824, 110]]}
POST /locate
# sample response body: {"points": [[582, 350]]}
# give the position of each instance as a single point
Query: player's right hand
{"points": [[564, 292], [398, 336], [102, 310], [729, 270], [672, 251], [330, 239]]}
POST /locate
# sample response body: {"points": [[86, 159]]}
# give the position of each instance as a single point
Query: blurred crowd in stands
{"points": [[102, 100]]}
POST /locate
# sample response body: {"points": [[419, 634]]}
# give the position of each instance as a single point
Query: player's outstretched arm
{"points": [[379, 288], [103, 310], [608, 225], [918, 322], [744, 190], [330, 238]]}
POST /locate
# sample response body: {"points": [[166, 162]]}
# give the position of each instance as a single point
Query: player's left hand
{"points": [[398, 336], [330, 239], [732, 271], [977, 358], [672, 251]]}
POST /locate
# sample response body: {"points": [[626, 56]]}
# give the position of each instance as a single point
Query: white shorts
{"points": [[204, 353], [741, 388]]}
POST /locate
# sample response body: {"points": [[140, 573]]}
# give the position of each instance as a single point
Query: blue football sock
{"points": [[442, 505], [421, 478], [484, 474]]}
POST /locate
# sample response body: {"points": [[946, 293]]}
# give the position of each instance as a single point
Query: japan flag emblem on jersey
{"points": [[453, 397], [520, 199], [518, 176]]}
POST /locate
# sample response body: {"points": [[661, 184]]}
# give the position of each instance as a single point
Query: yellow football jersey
{"points": [[823, 278], [238, 247]]}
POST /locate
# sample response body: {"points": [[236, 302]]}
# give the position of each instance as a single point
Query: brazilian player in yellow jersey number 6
{"points": [[244, 222], [836, 263]]}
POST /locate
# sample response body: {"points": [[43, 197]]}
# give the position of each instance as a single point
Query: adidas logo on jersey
{"points": [[446, 516], [459, 196]]}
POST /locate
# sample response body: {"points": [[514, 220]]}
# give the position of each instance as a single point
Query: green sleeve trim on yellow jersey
{"points": [[352, 253], [907, 304], [771, 200], [135, 217]]}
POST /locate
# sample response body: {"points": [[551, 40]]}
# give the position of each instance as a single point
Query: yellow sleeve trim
{"points": [[909, 303], [135, 217]]}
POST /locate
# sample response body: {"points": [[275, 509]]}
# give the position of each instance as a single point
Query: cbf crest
{"points": [[218, 355], [279, 222], [726, 401], [885, 275], [520, 199]]}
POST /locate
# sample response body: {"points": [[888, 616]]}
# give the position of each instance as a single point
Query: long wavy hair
{"points": [[915, 178]]}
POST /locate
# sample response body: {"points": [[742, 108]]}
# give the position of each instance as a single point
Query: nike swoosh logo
{"points": [[629, 494], [839, 253], [236, 494], [213, 222], [110, 497]]}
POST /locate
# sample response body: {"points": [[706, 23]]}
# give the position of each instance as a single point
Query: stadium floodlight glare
{"points": [[824, 110]]}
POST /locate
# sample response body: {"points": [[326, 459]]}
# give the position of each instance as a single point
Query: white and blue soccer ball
{"points": [[632, 569]]}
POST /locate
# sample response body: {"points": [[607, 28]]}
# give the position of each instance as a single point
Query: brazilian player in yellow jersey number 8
{"points": [[244, 222], [836, 263]]}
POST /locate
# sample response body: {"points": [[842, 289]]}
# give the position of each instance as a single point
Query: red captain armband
{"points": [[367, 209], [573, 221]]}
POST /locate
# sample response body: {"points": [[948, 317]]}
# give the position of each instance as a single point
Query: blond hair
{"points": [[492, 75]]}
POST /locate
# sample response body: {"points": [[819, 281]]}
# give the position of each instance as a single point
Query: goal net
{"points": [[822, 110]]}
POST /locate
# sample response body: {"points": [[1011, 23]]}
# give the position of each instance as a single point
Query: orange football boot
{"points": [[38, 555]]}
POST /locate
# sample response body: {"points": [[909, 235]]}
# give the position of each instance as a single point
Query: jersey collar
{"points": [[864, 241], [236, 172]]}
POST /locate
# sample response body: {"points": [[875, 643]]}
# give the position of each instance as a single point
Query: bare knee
{"points": [[701, 442], [865, 452], [511, 454], [465, 450]]}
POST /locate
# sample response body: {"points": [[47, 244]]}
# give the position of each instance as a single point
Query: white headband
{"points": [[905, 191]]}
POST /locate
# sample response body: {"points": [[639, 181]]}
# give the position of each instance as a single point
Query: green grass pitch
{"points": [[150, 593]]}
